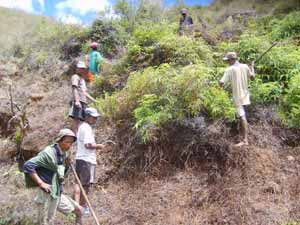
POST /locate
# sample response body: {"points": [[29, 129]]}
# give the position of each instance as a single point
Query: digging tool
{"points": [[265, 52], [84, 194], [108, 142]]}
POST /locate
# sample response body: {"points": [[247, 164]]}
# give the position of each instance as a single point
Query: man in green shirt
{"points": [[46, 171], [94, 60]]}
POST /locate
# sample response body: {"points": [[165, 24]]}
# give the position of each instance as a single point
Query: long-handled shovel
{"points": [[265, 52], [84, 194]]}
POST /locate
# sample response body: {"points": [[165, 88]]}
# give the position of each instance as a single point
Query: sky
{"points": [[73, 11]]}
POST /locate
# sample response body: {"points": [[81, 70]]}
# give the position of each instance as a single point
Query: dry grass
{"points": [[15, 27]]}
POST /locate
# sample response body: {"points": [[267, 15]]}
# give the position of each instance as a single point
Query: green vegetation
{"points": [[14, 30], [290, 105], [168, 77], [289, 27], [173, 77]]}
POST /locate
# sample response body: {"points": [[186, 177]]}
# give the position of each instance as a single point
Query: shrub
{"points": [[45, 47], [156, 96], [104, 84], [158, 44], [290, 104], [280, 64], [110, 37], [265, 93], [277, 65], [147, 34], [152, 113], [218, 105], [289, 27], [184, 50]]}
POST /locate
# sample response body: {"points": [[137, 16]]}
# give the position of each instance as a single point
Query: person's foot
{"points": [[242, 143]]}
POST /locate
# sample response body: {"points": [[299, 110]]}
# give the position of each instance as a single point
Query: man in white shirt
{"points": [[86, 157], [238, 74]]}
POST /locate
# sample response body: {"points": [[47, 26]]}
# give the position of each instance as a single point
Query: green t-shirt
{"points": [[95, 62]]}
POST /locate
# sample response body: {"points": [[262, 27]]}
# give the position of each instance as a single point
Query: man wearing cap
{"points": [[94, 60], [185, 23], [80, 94], [46, 171], [238, 74], [86, 158]]}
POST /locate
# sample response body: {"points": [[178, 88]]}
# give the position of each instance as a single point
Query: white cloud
{"points": [[42, 4], [83, 7], [25, 5], [68, 18]]}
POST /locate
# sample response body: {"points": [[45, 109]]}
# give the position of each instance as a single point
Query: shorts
{"points": [[77, 112], [86, 172], [47, 206], [241, 111], [91, 77]]}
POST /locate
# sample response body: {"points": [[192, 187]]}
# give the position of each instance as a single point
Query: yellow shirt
{"points": [[238, 74]]}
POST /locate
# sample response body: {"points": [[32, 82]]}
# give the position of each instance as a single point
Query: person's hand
{"points": [[77, 104], [45, 187], [100, 146], [68, 161]]}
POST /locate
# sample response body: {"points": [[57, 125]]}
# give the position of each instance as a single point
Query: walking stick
{"points": [[265, 52], [84, 195]]}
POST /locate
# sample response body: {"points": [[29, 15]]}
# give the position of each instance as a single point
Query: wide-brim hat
{"points": [[230, 55], [65, 132]]}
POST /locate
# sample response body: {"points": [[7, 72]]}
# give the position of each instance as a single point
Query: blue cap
{"points": [[91, 112]]}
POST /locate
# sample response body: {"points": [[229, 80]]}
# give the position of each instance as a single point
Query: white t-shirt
{"points": [[85, 135], [238, 75]]}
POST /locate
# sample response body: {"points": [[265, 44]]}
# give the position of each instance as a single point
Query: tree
{"points": [[123, 9]]}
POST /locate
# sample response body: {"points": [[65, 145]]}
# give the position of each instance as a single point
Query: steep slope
{"points": [[189, 173], [15, 26]]}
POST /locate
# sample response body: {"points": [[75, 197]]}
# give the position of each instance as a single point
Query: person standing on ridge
{"points": [[86, 156], [186, 24], [94, 60], [238, 75], [80, 95]]}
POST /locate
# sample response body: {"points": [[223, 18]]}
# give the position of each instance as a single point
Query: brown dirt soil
{"points": [[260, 187], [46, 100]]}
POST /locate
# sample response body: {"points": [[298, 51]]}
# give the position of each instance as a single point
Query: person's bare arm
{"points": [[87, 59], [90, 97], [76, 97], [252, 72], [94, 146], [46, 187]]}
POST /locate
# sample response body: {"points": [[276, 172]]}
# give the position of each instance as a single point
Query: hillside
{"points": [[15, 30], [174, 161]]}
